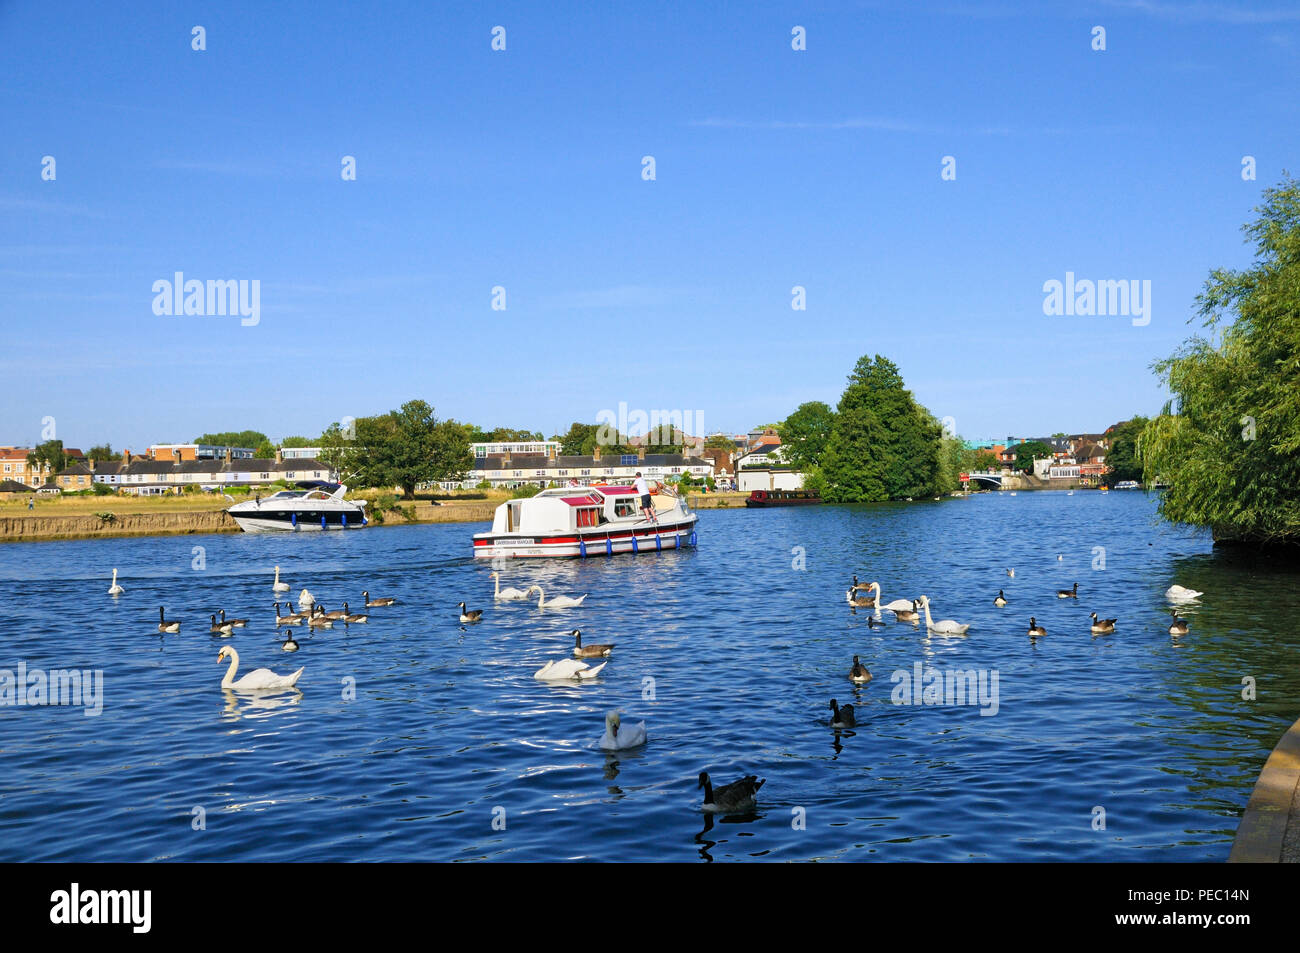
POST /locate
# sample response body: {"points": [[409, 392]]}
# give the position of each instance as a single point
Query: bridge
{"points": [[990, 478]]}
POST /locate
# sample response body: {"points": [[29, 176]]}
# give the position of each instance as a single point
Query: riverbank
{"points": [[1269, 831]]}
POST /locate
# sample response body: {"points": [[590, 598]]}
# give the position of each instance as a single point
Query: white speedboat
{"points": [[586, 521], [316, 505]]}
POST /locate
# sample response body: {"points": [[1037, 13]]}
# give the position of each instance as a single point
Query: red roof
{"points": [[581, 500], [616, 490]]}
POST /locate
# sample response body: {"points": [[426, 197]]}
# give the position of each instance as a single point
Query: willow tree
{"points": [[1229, 443]]}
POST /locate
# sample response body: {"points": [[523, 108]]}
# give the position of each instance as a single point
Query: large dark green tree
{"points": [[405, 447], [1122, 457], [1028, 452], [1230, 445]]}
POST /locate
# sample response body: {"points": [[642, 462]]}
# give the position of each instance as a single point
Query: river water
{"points": [[414, 738]]}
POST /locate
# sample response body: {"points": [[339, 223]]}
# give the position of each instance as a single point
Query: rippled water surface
{"points": [[729, 653]]}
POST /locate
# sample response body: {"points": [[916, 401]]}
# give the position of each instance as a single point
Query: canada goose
{"points": [[1173, 593], [1068, 593], [842, 717], [862, 602], [943, 627], [164, 625], [1001, 600], [908, 615], [567, 669], [353, 617], [858, 673], [115, 589], [874, 623], [334, 614], [1035, 630], [279, 586], [293, 618], [1179, 626], [371, 603], [289, 645], [559, 602], [470, 615], [859, 586], [736, 797], [618, 736], [220, 628], [237, 623], [589, 651], [258, 678], [318, 620], [1102, 626], [509, 592]]}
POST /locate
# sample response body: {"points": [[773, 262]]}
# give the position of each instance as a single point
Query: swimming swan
{"points": [[567, 669], [1173, 593], [258, 678], [508, 593], [559, 602], [618, 736], [279, 586], [944, 626], [894, 606], [115, 589], [305, 599], [736, 797]]}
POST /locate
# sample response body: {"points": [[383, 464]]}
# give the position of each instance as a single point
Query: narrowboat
{"points": [[581, 521], [782, 498]]}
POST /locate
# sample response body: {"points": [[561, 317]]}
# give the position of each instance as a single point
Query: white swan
{"points": [[559, 602], [944, 626], [618, 736], [116, 590], [894, 606], [567, 669], [1173, 593], [257, 678], [306, 600], [279, 586], [509, 592]]}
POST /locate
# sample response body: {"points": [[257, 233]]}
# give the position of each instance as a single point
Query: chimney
{"points": [[126, 458], [550, 453], [279, 455], [91, 463], [505, 460], [595, 454], [640, 454], [230, 456], [176, 455]]}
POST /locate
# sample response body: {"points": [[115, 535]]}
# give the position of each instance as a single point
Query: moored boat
{"points": [[782, 498], [315, 505], [586, 521]]}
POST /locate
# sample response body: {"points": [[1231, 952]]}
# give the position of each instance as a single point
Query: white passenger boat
{"points": [[586, 521], [315, 505]]}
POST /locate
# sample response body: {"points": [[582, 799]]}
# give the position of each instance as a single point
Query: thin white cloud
{"points": [[1201, 11]]}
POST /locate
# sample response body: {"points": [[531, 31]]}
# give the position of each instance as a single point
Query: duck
{"points": [[470, 615], [279, 586], [220, 628], [318, 620], [509, 592], [1035, 630], [874, 623], [1179, 626], [858, 673], [1173, 593], [288, 645], [237, 623], [861, 602], [944, 626], [350, 617], [1102, 626], [1011, 573], [737, 797], [293, 618], [567, 669], [907, 615], [589, 651], [115, 589], [258, 678], [306, 599], [619, 736], [372, 603], [559, 602], [842, 717], [1001, 600], [1068, 593], [164, 625]]}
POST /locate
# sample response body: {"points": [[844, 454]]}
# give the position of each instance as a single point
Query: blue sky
{"points": [[522, 169]]}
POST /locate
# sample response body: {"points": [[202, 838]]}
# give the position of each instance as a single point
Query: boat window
{"points": [[625, 507]]}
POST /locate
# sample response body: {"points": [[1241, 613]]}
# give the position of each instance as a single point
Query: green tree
{"points": [[102, 452], [1230, 449], [408, 446], [299, 442], [50, 453], [253, 439], [1122, 457], [805, 432], [1029, 451], [720, 442]]}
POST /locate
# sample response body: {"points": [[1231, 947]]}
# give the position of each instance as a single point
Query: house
{"points": [[146, 476], [11, 488], [769, 478], [78, 476], [106, 471], [510, 470], [763, 455], [197, 451]]}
